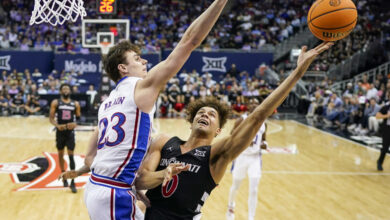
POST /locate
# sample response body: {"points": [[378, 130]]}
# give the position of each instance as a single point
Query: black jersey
{"points": [[66, 112], [185, 194]]}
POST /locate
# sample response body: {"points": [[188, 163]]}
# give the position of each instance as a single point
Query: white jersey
{"points": [[255, 147], [124, 134]]}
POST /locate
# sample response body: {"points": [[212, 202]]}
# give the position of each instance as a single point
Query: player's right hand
{"points": [[68, 175], [61, 127], [173, 169], [307, 57]]}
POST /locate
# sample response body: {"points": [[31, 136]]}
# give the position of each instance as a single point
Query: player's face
{"points": [[207, 120], [65, 91], [136, 65]]}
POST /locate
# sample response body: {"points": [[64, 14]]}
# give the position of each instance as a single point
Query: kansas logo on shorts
{"points": [[41, 173]]}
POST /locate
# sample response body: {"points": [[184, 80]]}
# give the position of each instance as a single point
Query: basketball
{"points": [[332, 20]]}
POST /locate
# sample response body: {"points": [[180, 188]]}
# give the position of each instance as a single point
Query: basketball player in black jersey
{"points": [[67, 111], [184, 195]]}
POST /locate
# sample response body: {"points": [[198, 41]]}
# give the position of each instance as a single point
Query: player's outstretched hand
{"points": [[307, 57], [68, 175], [173, 169]]}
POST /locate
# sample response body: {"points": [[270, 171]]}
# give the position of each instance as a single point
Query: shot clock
{"points": [[106, 7]]}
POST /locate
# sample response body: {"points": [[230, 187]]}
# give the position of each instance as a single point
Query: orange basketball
{"points": [[332, 20]]}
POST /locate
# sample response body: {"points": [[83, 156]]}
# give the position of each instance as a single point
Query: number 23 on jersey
{"points": [[110, 126]]}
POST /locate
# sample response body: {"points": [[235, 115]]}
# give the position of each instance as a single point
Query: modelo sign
{"points": [[82, 65], [90, 63]]}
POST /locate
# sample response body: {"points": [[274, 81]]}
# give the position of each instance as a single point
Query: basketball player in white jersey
{"points": [[186, 193], [248, 163], [125, 119]]}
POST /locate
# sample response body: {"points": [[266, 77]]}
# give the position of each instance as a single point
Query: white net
{"points": [[105, 47], [57, 11]]}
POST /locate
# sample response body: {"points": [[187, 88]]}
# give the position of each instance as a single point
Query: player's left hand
{"points": [[173, 169], [71, 126], [68, 175]]}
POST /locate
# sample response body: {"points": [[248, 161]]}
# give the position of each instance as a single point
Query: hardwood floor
{"points": [[329, 177]]}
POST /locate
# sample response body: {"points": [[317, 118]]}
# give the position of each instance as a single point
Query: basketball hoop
{"points": [[105, 47], [57, 11]]}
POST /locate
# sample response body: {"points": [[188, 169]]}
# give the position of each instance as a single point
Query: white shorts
{"points": [[247, 164], [110, 203]]}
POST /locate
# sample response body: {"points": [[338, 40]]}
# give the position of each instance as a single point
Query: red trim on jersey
{"points": [[112, 205], [133, 204], [109, 182], [132, 145]]}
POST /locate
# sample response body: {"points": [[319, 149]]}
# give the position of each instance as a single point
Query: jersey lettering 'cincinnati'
{"points": [[184, 195], [193, 168]]}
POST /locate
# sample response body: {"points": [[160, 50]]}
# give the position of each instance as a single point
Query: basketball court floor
{"points": [[307, 174]]}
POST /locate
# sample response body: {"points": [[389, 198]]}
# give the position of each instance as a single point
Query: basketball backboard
{"points": [[104, 33]]}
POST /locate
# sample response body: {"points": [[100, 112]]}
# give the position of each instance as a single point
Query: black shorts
{"points": [[65, 138], [154, 213]]}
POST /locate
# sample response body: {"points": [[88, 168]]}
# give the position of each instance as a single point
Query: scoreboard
{"points": [[106, 7]]}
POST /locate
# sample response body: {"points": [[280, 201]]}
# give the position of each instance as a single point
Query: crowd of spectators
{"points": [[234, 88], [369, 28], [161, 24], [20, 91], [352, 109]]}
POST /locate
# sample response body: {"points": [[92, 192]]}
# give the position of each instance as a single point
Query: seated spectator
{"points": [[3, 104], [75, 89], [316, 105], [209, 82], [17, 105], [184, 76], [239, 107], [13, 91], [173, 94], [165, 106], [334, 109], [177, 108], [204, 92], [52, 90], [32, 106], [42, 90], [372, 92], [373, 122]]}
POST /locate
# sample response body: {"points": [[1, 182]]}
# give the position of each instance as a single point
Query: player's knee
{"points": [[61, 154]]}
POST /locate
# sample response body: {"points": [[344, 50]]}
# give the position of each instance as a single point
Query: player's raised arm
{"points": [[229, 148], [192, 38]]}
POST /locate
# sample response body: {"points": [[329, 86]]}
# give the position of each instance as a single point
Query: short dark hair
{"points": [[65, 84], [222, 109], [116, 55]]}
